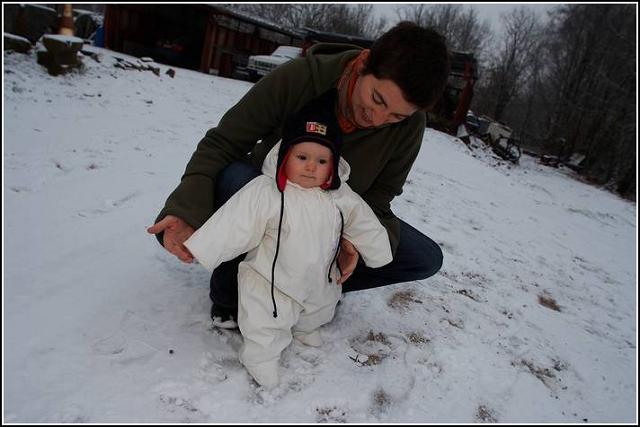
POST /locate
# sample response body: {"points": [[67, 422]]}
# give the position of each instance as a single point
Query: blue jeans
{"points": [[417, 256]]}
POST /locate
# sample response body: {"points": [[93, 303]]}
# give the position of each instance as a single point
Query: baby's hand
{"points": [[347, 260]]}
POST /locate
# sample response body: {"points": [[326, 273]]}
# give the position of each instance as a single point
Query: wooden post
{"points": [[66, 22]]}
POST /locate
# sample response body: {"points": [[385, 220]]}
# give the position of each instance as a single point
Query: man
{"points": [[382, 96]]}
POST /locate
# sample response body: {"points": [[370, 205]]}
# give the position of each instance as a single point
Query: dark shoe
{"points": [[223, 317]]}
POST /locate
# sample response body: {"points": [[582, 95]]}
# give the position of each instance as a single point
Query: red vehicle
{"points": [[451, 111]]}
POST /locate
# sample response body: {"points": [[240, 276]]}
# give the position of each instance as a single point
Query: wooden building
{"points": [[207, 38], [217, 40]]}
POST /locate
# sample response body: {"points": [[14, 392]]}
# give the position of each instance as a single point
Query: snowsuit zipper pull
{"points": [[337, 249]]}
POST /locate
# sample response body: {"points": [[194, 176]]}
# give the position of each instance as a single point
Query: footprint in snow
{"points": [[174, 398], [20, 189], [332, 413], [109, 206], [176, 403], [486, 415], [371, 349], [548, 375], [124, 351], [71, 414], [312, 356], [402, 301], [211, 370], [381, 402], [110, 346], [470, 294]]}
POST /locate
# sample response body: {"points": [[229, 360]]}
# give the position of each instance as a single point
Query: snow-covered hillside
{"points": [[531, 319]]}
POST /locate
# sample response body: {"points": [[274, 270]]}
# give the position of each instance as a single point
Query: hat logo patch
{"points": [[315, 127]]}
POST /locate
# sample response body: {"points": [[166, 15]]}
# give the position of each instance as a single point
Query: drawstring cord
{"points": [[275, 258], [273, 267], [337, 249]]}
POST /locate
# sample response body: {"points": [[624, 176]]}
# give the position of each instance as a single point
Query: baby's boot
{"points": [[312, 339], [265, 374]]}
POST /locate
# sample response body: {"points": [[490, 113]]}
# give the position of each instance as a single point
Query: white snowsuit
{"points": [[310, 233]]}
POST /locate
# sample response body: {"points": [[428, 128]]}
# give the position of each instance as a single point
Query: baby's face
{"points": [[309, 164]]}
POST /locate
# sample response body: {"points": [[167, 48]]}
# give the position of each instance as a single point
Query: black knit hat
{"points": [[315, 122]]}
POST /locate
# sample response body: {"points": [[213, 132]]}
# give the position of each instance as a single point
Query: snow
{"points": [[64, 39], [15, 37], [100, 324]]}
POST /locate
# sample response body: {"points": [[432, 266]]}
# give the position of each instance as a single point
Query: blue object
{"points": [[99, 39]]}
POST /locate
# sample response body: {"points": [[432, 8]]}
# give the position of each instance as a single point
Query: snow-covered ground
{"points": [[100, 324]]}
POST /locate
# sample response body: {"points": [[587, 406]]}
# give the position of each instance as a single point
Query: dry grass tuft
{"points": [[548, 301]]}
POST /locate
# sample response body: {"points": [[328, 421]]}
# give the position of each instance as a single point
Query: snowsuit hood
{"points": [[270, 165], [315, 122]]}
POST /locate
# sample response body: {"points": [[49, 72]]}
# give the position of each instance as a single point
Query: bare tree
{"points": [[460, 25], [510, 66], [363, 21], [577, 93], [357, 20], [592, 72]]}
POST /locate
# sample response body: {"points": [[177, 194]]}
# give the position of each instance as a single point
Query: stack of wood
{"points": [[61, 55], [142, 64]]}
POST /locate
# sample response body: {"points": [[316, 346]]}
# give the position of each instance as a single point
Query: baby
{"points": [[290, 221]]}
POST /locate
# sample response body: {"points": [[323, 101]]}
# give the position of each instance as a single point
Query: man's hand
{"points": [[176, 231], [347, 260]]}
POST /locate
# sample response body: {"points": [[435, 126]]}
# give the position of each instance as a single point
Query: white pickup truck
{"points": [[261, 65]]}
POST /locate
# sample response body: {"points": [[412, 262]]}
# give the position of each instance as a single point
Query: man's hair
{"points": [[413, 57]]}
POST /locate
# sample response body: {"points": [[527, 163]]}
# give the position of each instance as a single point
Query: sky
{"points": [[490, 12]]}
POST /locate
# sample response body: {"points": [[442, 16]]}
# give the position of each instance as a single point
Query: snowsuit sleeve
{"points": [[236, 228], [364, 230]]}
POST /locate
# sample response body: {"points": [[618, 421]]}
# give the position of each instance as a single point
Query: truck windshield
{"points": [[287, 52]]}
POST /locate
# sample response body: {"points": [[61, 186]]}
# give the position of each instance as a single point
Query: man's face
{"points": [[377, 102], [308, 164]]}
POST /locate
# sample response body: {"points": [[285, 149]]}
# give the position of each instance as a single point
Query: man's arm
{"points": [[258, 114]]}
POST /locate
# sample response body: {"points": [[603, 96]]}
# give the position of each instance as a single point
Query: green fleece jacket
{"points": [[380, 158]]}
